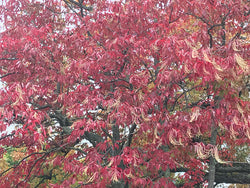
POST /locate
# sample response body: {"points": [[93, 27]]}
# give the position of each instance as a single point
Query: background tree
{"points": [[125, 93]]}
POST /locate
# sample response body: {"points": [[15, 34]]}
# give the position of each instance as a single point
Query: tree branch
{"points": [[3, 137], [35, 153], [131, 133], [7, 75], [227, 173], [211, 175], [30, 170]]}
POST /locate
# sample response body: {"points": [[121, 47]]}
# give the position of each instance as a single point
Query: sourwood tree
{"points": [[124, 93]]}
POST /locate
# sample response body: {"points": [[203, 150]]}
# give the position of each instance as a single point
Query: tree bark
{"points": [[211, 175], [232, 177], [227, 173], [237, 173]]}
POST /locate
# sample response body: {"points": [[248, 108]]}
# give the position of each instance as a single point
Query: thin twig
{"points": [[12, 134]]}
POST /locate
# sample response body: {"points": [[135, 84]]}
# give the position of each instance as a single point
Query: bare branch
{"points": [[35, 153], [12, 134], [30, 170], [7, 74], [200, 18]]}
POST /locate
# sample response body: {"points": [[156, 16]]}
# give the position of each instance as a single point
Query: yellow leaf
{"points": [[205, 71], [206, 57], [221, 126], [189, 133], [144, 118], [72, 152], [195, 53], [195, 114], [234, 47], [240, 109], [217, 77], [155, 133], [114, 178], [216, 156], [216, 66], [201, 152], [151, 86], [140, 95], [110, 163], [248, 133], [186, 70], [15, 103], [173, 140], [92, 177], [233, 132], [241, 62]]}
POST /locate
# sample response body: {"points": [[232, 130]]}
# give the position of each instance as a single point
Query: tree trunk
{"points": [[211, 176]]}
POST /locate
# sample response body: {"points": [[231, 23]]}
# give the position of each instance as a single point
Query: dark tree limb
{"points": [[116, 133], [93, 138], [233, 177], [38, 107], [234, 173], [131, 133], [106, 132], [235, 167], [226, 173]]}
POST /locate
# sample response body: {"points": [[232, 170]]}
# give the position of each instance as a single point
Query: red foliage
{"points": [[121, 91]]}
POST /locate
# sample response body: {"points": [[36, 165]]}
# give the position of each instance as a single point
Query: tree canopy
{"points": [[124, 93]]}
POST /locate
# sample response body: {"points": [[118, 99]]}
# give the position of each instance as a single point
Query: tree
{"points": [[125, 93]]}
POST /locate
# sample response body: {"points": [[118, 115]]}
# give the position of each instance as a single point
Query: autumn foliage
{"points": [[122, 93]]}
